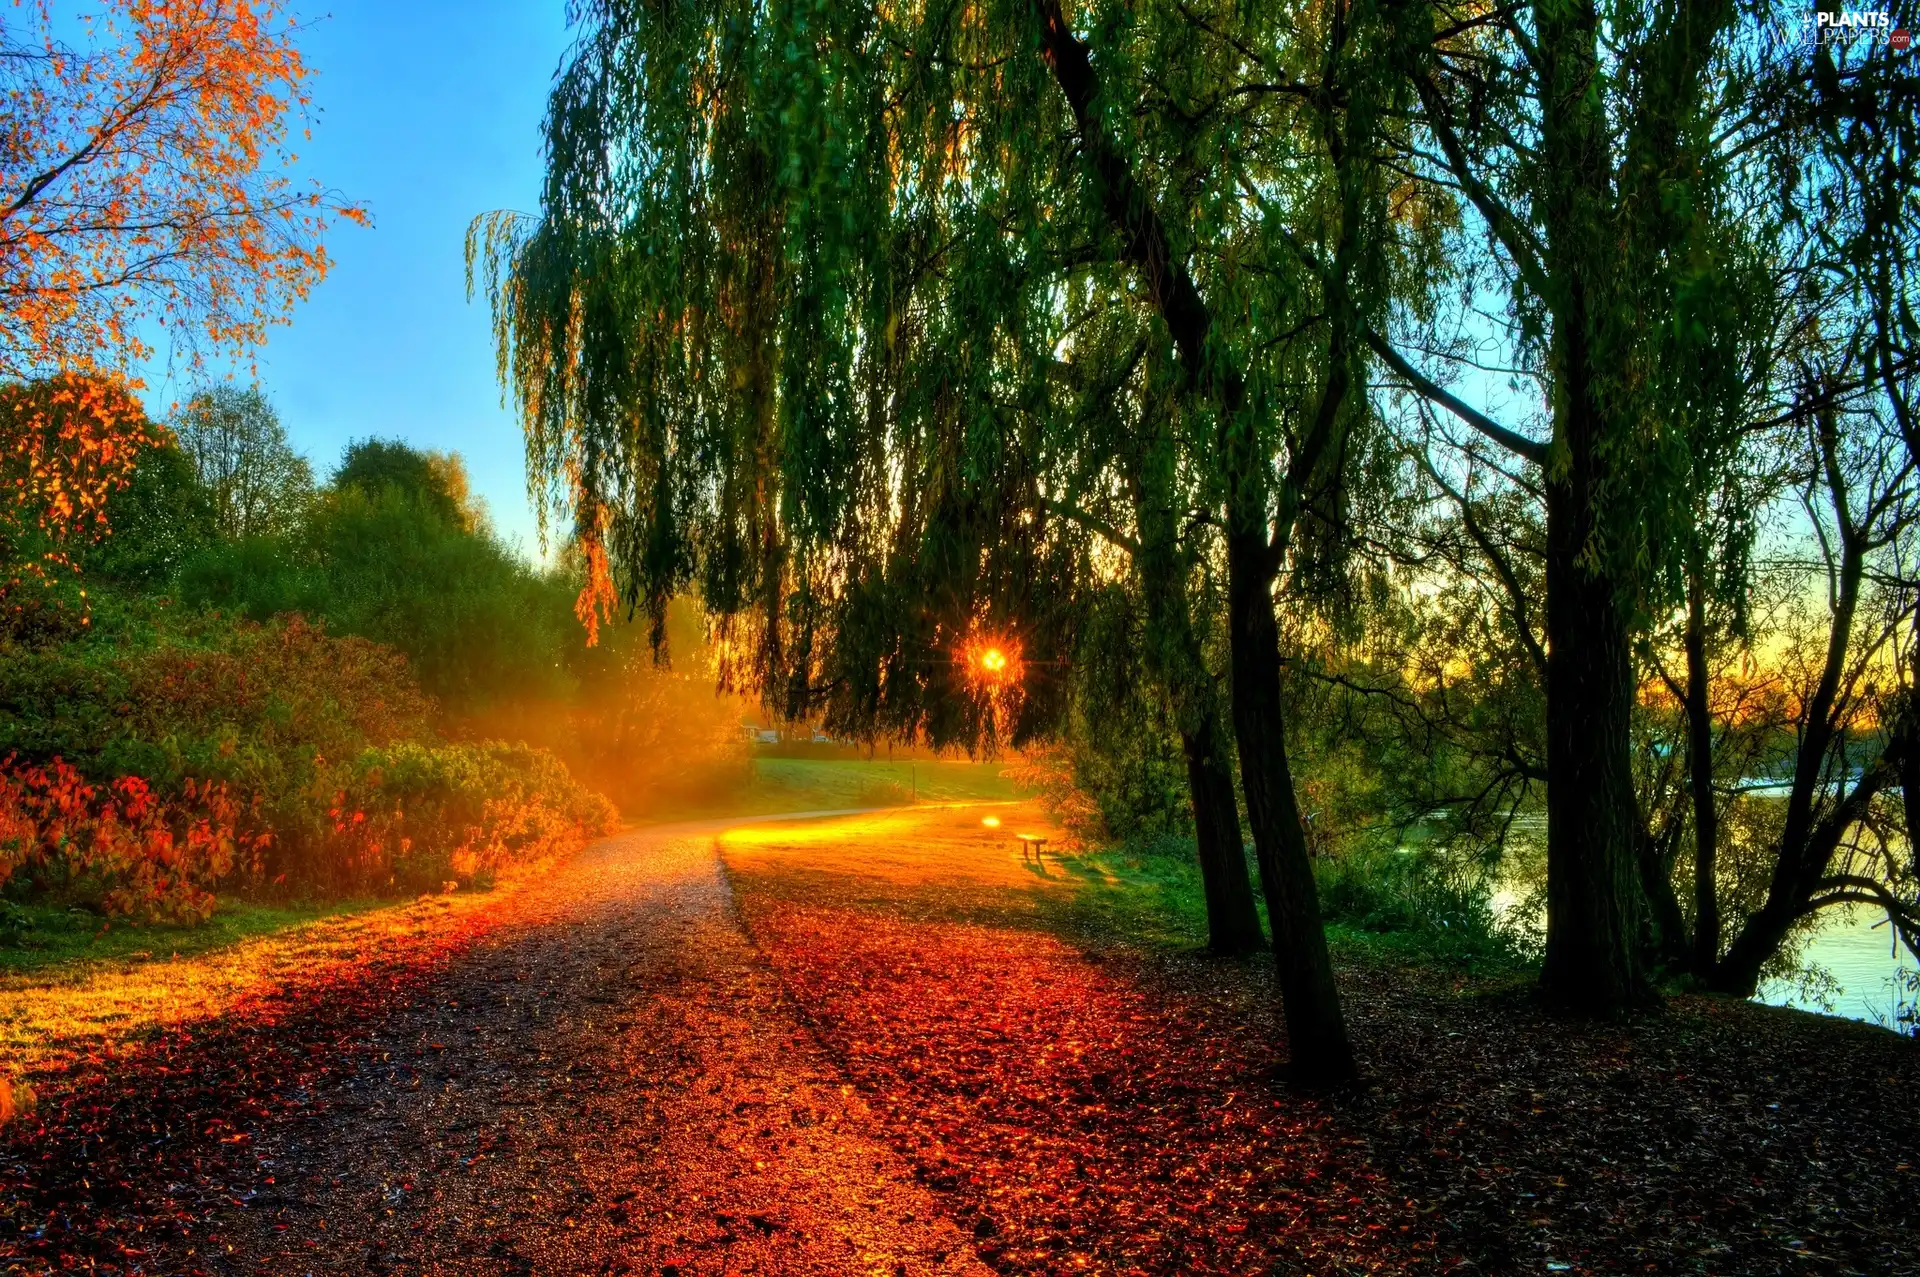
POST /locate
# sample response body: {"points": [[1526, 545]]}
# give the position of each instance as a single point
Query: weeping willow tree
{"points": [[886, 329], [771, 339]]}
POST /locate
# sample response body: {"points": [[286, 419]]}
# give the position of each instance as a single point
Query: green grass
{"points": [[35, 938], [1148, 892], [832, 784]]}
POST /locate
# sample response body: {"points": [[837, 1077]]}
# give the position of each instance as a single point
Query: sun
{"points": [[993, 662]]}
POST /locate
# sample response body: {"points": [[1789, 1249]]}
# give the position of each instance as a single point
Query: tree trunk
{"points": [[1316, 1029], [1233, 925], [1592, 962], [1808, 838], [1706, 814], [1174, 656], [1670, 943]]}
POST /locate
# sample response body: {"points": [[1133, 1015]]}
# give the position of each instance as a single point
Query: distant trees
{"points": [[233, 437], [140, 182], [392, 550], [435, 480]]}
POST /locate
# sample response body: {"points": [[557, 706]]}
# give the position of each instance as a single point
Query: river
{"points": [[1864, 962], [1862, 959]]}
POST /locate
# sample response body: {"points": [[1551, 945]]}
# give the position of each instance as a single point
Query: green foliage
{"points": [[434, 481], [326, 744], [162, 518], [1121, 742], [256, 704], [257, 483], [897, 311], [1420, 907], [393, 556], [413, 815]]}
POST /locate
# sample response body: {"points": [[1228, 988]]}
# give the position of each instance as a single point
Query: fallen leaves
{"points": [[1116, 1110], [140, 1133], [1077, 1115]]}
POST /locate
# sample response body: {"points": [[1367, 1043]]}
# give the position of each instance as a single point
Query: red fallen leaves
{"points": [[1118, 1114], [1079, 1118]]}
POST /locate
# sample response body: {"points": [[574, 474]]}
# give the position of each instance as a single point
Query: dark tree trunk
{"points": [[1174, 657], [1807, 842], [1316, 1029], [1233, 925], [1804, 861], [1910, 779], [1670, 942], [1592, 961], [1807, 838], [1706, 813]]}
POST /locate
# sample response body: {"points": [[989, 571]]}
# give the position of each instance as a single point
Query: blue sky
{"points": [[428, 112]]}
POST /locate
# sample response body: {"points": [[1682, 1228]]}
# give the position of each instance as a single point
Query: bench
{"points": [[1031, 845]]}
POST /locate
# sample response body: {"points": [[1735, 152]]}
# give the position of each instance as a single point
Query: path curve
{"points": [[615, 1085]]}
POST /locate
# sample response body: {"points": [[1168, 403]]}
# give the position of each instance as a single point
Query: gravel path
{"points": [[614, 1085]]}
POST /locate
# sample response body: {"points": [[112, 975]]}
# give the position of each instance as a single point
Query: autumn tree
{"points": [[143, 184], [67, 444]]}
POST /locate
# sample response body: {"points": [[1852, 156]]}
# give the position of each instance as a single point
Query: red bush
{"points": [[120, 847]]}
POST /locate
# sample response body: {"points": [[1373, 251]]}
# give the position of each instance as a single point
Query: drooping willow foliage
{"points": [[822, 318], [884, 326]]}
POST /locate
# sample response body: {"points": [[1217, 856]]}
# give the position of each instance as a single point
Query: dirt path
{"points": [[879, 1045], [614, 1085]]}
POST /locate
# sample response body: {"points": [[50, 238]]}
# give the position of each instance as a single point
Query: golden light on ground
{"points": [[991, 822], [938, 849]]}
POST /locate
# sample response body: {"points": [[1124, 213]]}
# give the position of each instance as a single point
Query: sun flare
{"points": [[993, 663]]}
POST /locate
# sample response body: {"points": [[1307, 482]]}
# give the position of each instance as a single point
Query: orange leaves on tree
{"points": [[66, 445], [595, 604], [142, 180]]}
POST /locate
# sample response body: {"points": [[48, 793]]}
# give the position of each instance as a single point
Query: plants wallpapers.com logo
{"points": [[1846, 27]]}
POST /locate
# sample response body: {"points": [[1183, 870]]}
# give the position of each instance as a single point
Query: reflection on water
{"points": [[1863, 959], [1864, 962]]}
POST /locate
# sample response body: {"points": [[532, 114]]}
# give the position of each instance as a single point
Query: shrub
{"points": [[327, 742], [1413, 898], [413, 816], [120, 848], [253, 705]]}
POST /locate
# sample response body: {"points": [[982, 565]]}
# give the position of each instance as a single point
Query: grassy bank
{"points": [[1148, 892], [35, 938], [778, 784]]}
